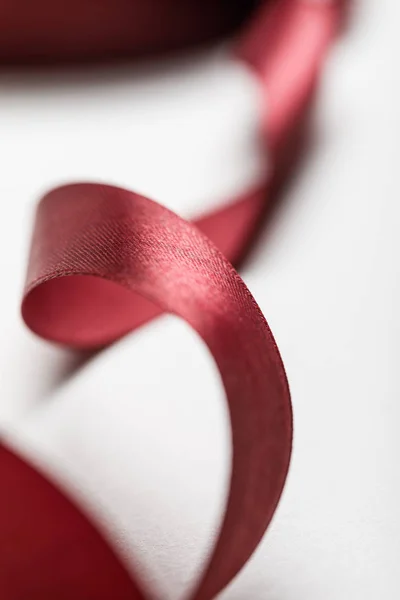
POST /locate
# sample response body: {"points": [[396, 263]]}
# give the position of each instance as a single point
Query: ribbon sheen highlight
{"points": [[105, 260]]}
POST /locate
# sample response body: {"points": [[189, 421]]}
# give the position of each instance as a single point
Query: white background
{"points": [[139, 432]]}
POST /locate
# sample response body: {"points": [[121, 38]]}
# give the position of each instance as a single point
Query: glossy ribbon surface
{"points": [[105, 260]]}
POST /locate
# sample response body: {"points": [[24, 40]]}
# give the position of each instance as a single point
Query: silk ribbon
{"points": [[105, 260]]}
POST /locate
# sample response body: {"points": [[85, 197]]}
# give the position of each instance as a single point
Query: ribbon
{"points": [[105, 260]]}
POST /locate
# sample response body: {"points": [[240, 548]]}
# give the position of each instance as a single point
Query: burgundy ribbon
{"points": [[105, 260]]}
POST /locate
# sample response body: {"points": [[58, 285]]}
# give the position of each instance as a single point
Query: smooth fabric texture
{"points": [[93, 246], [46, 31]]}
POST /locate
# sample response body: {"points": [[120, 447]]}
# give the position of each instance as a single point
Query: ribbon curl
{"points": [[104, 260]]}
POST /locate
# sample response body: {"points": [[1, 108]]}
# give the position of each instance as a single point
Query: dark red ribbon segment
{"points": [[95, 248], [104, 260]]}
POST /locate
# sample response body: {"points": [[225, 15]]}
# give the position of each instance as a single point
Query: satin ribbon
{"points": [[104, 260]]}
